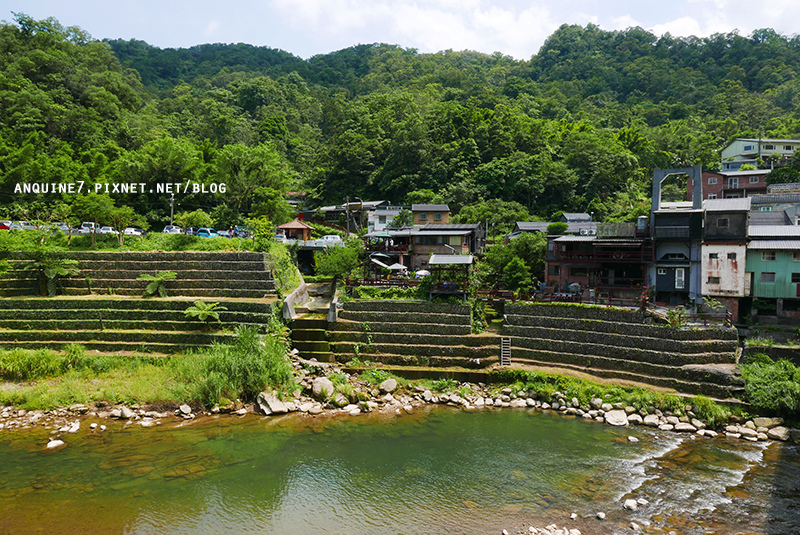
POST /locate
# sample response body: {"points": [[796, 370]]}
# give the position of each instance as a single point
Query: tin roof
{"points": [[430, 208], [774, 244], [773, 231], [727, 205], [450, 259]]}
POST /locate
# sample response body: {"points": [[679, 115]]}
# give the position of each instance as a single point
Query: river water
{"points": [[439, 470]]}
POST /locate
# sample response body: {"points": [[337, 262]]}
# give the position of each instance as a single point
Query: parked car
{"points": [[225, 233], [63, 227], [281, 238], [107, 230], [5, 225], [173, 229], [206, 233], [133, 231]]}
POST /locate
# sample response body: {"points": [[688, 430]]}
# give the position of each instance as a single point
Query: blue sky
{"points": [[307, 27]]}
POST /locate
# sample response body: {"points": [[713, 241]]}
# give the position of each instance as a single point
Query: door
{"points": [[680, 278]]}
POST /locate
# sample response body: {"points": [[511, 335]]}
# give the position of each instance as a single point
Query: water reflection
{"points": [[439, 470]]}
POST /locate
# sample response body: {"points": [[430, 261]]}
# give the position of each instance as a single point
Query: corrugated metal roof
{"points": [[784, 245], [572, 238], [727, 205], [779, 217], [773, 231], [770, 198], [430, 208], [450, 259], [576, 217], [432, 227]]}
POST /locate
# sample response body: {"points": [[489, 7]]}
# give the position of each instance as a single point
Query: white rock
{"points": [[616, 417], [93, 425], [55, 444], [75, 427], [635, 526], [642, 501], [269, 403], [633, 439], [388, 386], [779, 433], [685, 427], [651, 420], [574, 532], [666, 427], [103, 428], [573, 516], [634, 419], [630, 505], [601, 515], [126, 413]]}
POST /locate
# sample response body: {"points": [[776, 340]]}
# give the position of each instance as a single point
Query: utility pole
{"points": [[171, 207], [347, 212]]}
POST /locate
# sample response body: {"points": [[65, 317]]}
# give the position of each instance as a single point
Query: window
{"points": [[722, 222], [796, 256], [423, 216], [748, 147], [713, 256], [712, 180], [579, 272], [733, 182], [731, 256], [437, 216], [765, 209], [767, 276], [676, 256], [754, 179], [795, 277], [712, 195], [769, 147], [713, 280], [662, 271], [768, 256], [553, 270], [381, 219], [788, 148]]}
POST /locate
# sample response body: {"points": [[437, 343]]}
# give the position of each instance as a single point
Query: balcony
{"points": [[634, 256], [388, 249], [672, 232], [618, 282]]}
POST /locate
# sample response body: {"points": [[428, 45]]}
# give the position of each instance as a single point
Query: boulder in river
{"points": [[268, 403], [616, 417]]}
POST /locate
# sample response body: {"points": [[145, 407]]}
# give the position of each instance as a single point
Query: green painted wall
{"points": [[783, 266]]}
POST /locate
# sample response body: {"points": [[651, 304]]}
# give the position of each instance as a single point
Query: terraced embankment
{"points": [[616, 343], [598, 341], [411, 333], [106, 311]]}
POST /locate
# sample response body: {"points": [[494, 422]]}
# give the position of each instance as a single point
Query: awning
{"points": [[381, 264], [398, 267], [450, 260]]}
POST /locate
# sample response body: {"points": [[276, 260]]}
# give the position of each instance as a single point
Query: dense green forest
{"points": [[578, 127]]}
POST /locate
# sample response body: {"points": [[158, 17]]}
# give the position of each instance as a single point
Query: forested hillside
{"points": [[578, 127]]}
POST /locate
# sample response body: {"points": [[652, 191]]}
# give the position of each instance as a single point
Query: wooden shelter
{"points": [[296, 230]]}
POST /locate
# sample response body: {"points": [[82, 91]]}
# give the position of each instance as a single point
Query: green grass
{"points": [[46, 379]]}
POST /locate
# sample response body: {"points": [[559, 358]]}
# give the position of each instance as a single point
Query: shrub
{"points": [[157, 284], [246, 367], [204, 311], [772, 386]]}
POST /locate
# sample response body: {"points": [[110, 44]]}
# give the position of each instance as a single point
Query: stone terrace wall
{"points": [[617, 343], [200, 274], [412, 333]]}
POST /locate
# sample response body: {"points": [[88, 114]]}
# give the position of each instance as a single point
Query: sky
{"points": [[305, 28]]}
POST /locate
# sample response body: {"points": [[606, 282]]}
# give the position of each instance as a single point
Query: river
{"points": [[439, 470]]}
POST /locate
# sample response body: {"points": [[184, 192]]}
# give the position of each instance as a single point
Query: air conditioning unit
{"points": [[584, 232], [592, 232]]}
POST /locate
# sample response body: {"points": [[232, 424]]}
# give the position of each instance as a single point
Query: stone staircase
{"points": [[102, 308], [411, 333], [199, 274], [616, 343]]}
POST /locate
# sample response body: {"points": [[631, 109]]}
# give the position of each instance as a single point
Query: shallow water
{"points": [[439, 470]]}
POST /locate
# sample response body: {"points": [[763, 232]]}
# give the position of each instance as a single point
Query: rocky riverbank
{"points": [[327, 390]]}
